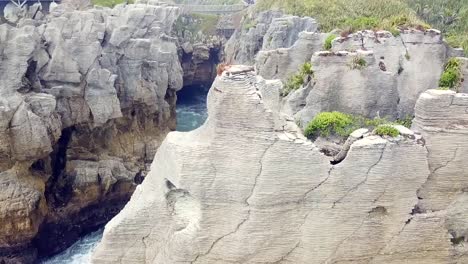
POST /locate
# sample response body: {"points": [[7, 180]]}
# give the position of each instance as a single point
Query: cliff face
{"points": [[86, 98], [200, 48], [396, 70], [267, 30], [247, 187]]}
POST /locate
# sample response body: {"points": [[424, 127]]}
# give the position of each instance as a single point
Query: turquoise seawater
{"points": [[191, 114]]}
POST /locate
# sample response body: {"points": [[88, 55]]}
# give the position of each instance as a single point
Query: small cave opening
{"points": [[58, 187], [199, 75]]}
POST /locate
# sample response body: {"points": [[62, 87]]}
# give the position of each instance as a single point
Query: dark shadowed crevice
{"points": [[58, 188]]}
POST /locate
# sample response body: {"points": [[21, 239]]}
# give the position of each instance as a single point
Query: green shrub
{"points": [[297, 80], [386, 130], [406, 122], [358, 62], [330, 123], [340, 124], [328, 42], [306, 69], [451, 77]]}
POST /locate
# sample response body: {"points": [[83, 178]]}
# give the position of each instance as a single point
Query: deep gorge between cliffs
{"points": [[191, 114]]}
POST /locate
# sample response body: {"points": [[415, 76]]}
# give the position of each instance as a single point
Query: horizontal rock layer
{"points": [[398, 68], [86, 98], [247, 187]]}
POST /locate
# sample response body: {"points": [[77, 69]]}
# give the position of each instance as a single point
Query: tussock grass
{"points": [[449, 16], [342, 14]]}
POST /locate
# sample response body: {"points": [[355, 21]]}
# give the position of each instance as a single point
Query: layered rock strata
{"points": [[265, 31], [247, 187], [86, 98], [396, 70], [200, 49], [387, 84]]}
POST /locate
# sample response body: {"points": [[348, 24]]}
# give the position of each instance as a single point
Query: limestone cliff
{"points": [[395, 70], [200, 48], [86, 97], [247, 187]]}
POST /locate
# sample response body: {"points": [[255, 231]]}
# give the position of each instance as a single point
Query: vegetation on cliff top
{"points": [[452, 75], [387, 130], [298, 79], [328, 41], [343, 14], [449, 16], [327, 124]]}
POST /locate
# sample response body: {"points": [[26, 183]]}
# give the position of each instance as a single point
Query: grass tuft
{"points": [[358, 63], [297, 80], [328, 42], [327, 124], [452, 75], [449, 16], [387, 130]]}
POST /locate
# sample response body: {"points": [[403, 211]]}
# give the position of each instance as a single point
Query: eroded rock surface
{"points": [[247, 187], [387, 84], [86, 98], [266, 30], [398, 68]]}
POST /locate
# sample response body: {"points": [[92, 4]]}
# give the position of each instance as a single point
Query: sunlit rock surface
{"points": [[246, 187]]}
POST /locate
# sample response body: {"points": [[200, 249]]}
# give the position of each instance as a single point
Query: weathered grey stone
{"points": [[238, 190], [283, 32], [442, 120], [387, 86], [101, 96], [282, 63], [342, 85], [12, 13], [464, 71], [85, 97], [247, 41]]}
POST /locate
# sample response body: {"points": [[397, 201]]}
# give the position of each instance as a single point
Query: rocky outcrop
{"points": [[375, 74], [247, 187], [464, 74], [442, 118], [388, 86], [283, 62], [266, 30], [85, 100], [200, 49]]}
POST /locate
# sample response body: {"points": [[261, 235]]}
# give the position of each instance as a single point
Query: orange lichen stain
{"points": [[222, 67]]}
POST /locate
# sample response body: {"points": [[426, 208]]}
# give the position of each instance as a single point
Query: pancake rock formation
{"points": [[86, 98], [368, 73], [247, 187]]}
